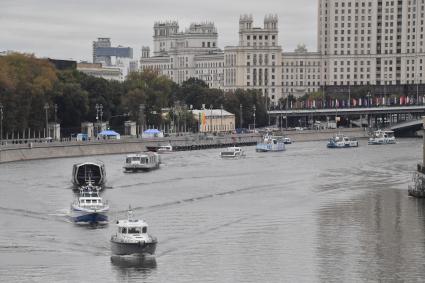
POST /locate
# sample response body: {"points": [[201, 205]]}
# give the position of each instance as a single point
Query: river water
{"points": [[307, 214]]}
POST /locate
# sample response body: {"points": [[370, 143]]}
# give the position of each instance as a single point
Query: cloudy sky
{"points": [[65, 29]]}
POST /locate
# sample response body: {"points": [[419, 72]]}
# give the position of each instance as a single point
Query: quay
{"points": [[418, 187], [46, 150]]}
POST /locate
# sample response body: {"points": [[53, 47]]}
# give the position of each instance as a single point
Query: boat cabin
{"points": [[133, 227], [141, 158], [89, 197]]}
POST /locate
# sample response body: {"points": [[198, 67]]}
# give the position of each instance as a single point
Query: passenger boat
{"points": [[232, 152], [142, 161], [271, 143], [341, 141], [132, 238], [382, 137], [93, 171], [88, 207], [160, 148]]}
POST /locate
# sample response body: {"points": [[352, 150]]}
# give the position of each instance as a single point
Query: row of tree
{"points": [[27, 84]]}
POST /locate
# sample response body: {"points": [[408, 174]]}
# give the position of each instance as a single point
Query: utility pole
{"points": [[46, 108]]}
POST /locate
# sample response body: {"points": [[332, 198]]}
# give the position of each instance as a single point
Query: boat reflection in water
{"points": [[128, 261], [129, 265]]}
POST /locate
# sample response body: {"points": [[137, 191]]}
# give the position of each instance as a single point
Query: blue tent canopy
{"points": [[152, 131], [108, 133]]}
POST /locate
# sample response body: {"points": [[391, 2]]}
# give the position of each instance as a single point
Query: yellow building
{"points": [[214, 120]]}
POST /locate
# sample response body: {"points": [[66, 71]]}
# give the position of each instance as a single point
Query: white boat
{"points": [[232, 152], [287, 140], [89, 172], [341, 141], [89, 207], [271, 143], [132, 237], [142, 161], [165, 148], [160, 148], [382, 137]]}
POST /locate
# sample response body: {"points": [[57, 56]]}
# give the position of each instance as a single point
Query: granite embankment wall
{"points": [[33, 151], [323, 135]]}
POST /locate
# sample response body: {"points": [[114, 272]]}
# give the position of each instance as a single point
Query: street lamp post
{"points": [[287, 104], [254, 116], [141, 118], [56, 112], [349, 96], [221, 117], [211, 118], [46, 108], [240, 116]]}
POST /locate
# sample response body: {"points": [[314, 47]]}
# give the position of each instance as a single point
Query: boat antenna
{"points": [[130, 213]]}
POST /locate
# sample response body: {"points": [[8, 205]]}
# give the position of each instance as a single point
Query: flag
{"points": [[204, 119]]}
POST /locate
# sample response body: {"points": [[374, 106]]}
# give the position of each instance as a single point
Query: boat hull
{"points": [[414, 192], [333, 145], [262, 147], [140, 248], [136, 168], [85, 217], [372, 142]]}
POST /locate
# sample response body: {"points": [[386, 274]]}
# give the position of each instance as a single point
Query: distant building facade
{"points": [[97, 70], [183, 55], [301, 72], [377, 45], [372, 42], [255, 62], [103, 51], [214, 120]]}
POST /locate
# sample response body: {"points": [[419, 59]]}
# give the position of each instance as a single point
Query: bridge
{"points": [[407, 127], [403, 119], [384, 110]]}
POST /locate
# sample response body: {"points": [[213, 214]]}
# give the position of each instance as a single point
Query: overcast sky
{"points": [[65, 29]]}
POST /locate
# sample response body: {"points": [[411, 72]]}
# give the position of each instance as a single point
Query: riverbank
{"points": [[32, 151]]}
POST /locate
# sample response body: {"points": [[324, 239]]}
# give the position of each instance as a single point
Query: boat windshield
{"points": [[134, 230], [133, 158]]}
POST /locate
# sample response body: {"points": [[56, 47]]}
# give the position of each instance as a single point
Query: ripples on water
{"points": [[307, 214]]}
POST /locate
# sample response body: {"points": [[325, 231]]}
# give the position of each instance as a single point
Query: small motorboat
{"points": [[89, 172], [160, 148], [132, 237], [341, 141], [287, 140], [144, 161], [271, 143], [165, 149], [232, 152], [382, 137], [88, 207]]}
